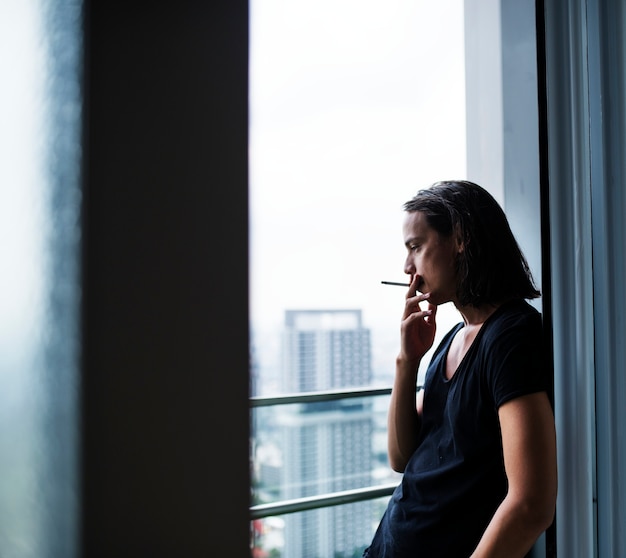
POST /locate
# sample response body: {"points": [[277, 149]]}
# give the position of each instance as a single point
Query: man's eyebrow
{"points": [[412, 240]]}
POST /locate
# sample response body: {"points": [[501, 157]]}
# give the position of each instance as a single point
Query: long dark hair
{"points": [[491, 269]]}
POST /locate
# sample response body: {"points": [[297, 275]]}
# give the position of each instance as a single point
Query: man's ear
{"points": [[460, 241]]}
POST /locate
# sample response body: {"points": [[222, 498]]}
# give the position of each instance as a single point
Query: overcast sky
{"points": [[355, 105]]}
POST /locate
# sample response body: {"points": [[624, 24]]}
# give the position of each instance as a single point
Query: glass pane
{"points": [[307, 533], [310, 449], [40, 53], [354, 106]]}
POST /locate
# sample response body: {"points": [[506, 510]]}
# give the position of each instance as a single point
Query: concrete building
{"points": [[327, 447]]}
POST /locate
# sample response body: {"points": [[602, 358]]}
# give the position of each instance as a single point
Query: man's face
{"points": [[431, 257]]}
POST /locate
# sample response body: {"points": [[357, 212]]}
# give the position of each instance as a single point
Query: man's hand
{"points": [[418, 326]]}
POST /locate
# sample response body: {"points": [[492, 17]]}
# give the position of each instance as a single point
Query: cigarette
{"points": [[396, 284]]}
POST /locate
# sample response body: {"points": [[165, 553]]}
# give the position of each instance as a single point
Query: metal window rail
{"points": [[317, 396], [324, 500]]}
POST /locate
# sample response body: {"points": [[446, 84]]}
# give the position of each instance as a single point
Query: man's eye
{"points": [[414, 247]]}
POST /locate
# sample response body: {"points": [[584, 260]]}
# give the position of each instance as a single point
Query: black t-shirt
{"points": [[455, 480]]}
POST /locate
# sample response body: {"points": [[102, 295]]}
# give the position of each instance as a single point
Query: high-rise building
{"points": [[327, 447]]}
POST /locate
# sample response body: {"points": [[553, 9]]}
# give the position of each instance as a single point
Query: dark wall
{"points": [[165, 323]]}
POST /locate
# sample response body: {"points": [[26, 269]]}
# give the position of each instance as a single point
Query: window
{"points": [[40, 124], [353, 108]]}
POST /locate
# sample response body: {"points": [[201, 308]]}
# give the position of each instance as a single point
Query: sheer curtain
{"points": [[585, 48]]}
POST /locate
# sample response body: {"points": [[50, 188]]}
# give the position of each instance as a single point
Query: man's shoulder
{"points": [[515, 314], [515, 324]]}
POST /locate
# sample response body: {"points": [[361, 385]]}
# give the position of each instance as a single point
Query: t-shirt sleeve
{"points": [[516, 364]]}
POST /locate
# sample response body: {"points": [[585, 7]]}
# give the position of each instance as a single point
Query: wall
{"points": [[165, 360]]}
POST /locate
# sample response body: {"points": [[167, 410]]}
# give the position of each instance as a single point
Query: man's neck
{"points": [[476, 315]]}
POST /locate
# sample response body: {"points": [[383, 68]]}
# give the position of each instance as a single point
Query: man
{"points": [[477, 445]]}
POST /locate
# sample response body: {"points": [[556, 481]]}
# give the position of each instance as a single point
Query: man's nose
{"points": [[409, 266]]}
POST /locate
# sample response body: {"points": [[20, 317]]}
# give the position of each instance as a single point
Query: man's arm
{"points": [[529, 443], [404, 418], [417, 333]]}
